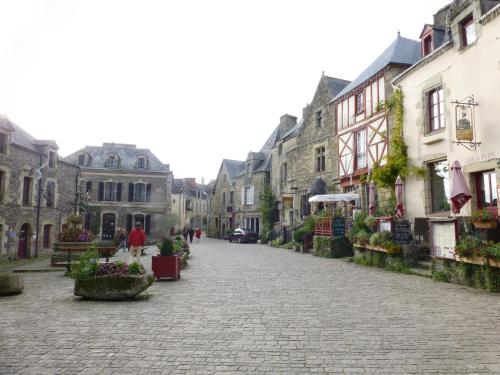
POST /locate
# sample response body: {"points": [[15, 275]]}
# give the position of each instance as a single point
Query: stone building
{"points": [[124, 185], [37, 192], [450, 96], [235, 198], [190, 203], [304, 152], [363, 123]]}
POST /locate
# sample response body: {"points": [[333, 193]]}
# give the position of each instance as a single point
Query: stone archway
{"points": [[23, 247]]}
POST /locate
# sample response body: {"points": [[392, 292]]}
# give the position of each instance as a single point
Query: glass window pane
{"points": [[440, 190], [470, 34]]}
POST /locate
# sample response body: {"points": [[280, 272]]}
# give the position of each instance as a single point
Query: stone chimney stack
{"points": [[286, 123]]}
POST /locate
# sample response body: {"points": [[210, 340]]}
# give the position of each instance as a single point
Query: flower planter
{"points": [[492, 224], [68, 251], [478, 260], [166, 267], [106, 251], [110, 288]]}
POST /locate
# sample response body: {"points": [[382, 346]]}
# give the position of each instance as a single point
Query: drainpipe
{"points": [[38, 203]]}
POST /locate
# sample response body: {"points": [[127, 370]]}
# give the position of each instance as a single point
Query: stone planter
{"points": [[110, 288], [68, 251], [11, 284]]}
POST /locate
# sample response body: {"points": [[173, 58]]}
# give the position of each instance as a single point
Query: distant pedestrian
{"points": [[185, 233], [197, 234], [123, 240], [191, 234], [136, 240]]}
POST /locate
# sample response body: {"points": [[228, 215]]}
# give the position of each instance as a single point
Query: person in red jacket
{"points": [[136, 240]]}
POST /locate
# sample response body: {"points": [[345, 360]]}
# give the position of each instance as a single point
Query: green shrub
{"points": [[391, 248], [167, 248], [379, 238], [370, 221], [377, 259], [341, 248], [87, 265], [468, 245], [362, 237], [136, 269], [396, 264]]}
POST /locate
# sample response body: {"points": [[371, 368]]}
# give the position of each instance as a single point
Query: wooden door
{"points": [[24, 237]]}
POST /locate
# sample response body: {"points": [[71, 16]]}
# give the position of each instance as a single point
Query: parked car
{"points": [[241, 235]]}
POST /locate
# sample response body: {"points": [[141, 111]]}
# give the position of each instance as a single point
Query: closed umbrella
{"points": [[459, 192], [372, 205], [400, 210]]}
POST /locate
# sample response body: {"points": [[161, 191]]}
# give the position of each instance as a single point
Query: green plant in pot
{"points": [[166, 265], [468, 246]]}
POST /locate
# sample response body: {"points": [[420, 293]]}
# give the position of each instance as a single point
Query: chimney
{"points": [[286, 123]]}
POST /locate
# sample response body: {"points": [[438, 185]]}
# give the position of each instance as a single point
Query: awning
{"points": [[326, 198]]}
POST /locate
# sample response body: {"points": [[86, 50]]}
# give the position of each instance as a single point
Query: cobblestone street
{"points": [[257, 310]]}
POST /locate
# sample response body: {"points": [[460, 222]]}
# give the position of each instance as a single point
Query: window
{"points": [[360, 138], [319, 118], [110, 191], [81, 159], [427, 45], [2, 185], [467, 31], [112, 161], [436, 109], [305, 206], [231, 197], [320, 159], [284, 172], [360, 103], [27, 182], [141, 163], [52, 159], [486, 183], [249, 195], [440, 186], [88, 187], [140, 193], [223, 198], [3, 143], [224, 178], [50, 194]]}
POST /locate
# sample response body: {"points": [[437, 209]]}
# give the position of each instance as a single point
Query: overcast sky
{"points": [[195, 81]]}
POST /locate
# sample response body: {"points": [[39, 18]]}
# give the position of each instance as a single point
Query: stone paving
{"points": [[252, 309]]}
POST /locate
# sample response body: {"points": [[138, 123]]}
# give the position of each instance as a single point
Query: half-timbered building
{"points": [[363, 123]]}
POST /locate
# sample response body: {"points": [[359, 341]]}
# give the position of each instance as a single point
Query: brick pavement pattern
{"points": [[253, 309]]}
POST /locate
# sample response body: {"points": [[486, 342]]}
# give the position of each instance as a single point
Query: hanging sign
{"points": [[464, 118]]}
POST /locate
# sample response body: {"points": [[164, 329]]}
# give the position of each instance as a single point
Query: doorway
{"points": [[108, 226], [24, 240], [47, 229]]}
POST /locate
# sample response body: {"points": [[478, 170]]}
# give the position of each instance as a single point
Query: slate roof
{"points": [[22, 138], [400, 51], [127, 154], [233, 167], [179, 185], [335, 85]]}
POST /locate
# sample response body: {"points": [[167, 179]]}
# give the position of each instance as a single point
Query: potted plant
{"points": [[166, 265], [469, 246], [72, 241], [108, 281], [484, 218]]}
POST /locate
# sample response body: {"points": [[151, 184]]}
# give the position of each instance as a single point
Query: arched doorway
{"points": [[24, 241], [108, 226]]}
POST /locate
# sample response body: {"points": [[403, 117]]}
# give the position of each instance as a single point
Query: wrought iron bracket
{"points": [[471, 146]]}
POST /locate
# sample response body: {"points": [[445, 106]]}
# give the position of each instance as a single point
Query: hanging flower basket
{"points": [[491, 224]]}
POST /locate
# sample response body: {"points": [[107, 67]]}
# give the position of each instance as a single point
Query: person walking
{"points": [[185, 233], [197, 234], [136, 240], [123, 240], [191, 234]]}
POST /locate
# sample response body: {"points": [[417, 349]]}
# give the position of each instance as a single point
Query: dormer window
{"points": [[52, 159], [427, 45], [81, 159], [141, 163], [112, 161], [4, 139], [467, 31]]}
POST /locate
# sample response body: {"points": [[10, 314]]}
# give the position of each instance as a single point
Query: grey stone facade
{"points": [[190, 202], [123, 185], [24, 164]]}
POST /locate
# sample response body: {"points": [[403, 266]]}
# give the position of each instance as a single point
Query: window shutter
{"points": [[148, 193], [88, 187], [242, 196], [100, 196], [130, 192], [129, 222], [119, 192], [147, 224]]}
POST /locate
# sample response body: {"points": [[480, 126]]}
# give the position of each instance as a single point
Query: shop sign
{"points": [[463, 115]]}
